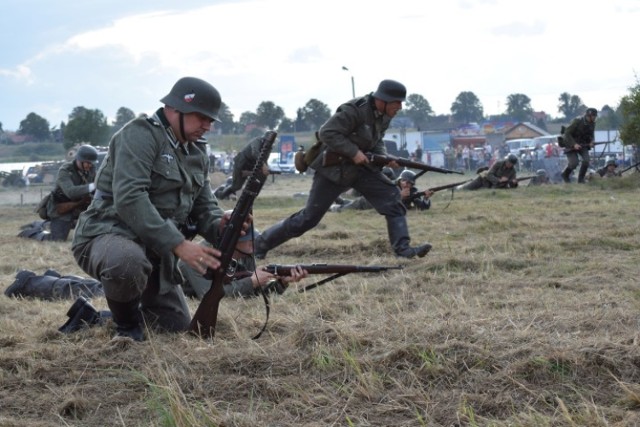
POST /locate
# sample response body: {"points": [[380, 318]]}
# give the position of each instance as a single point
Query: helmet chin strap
{"points": [[184, 137]]}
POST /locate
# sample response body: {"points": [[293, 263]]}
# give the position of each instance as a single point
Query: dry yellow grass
{"points": [[525, 313]]}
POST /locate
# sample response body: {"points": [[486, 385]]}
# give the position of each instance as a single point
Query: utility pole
{"points": [[353, 85]]}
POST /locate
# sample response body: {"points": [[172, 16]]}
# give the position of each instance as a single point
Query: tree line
{"points": [[91, 126]]}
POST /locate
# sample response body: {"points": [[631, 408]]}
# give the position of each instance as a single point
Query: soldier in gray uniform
{"points": [[502, 174], [243, 161], [72, 194], [152, 196], [358, 126], [578, 139]]}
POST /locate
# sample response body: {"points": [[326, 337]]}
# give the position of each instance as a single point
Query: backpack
{"points": [[41, 209]]}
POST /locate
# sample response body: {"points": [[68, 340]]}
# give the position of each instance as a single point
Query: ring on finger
{"points": [[200, 259]]}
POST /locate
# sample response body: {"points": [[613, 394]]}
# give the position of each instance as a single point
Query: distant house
{"points": [[524, 130]]}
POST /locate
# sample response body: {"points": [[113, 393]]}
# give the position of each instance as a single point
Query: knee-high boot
{"points": [[399, 239], [583, 171], [128, 318]]}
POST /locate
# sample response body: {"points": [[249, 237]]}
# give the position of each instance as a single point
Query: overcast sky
{"points": [[106, 54]]}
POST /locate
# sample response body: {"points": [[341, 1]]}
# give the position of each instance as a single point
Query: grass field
{"points": [[525, 313]]}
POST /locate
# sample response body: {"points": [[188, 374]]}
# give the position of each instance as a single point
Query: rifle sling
{"points": [[267, 306], [322, 282]]}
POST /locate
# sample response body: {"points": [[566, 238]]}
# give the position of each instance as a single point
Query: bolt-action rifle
{"points": [[204, 320], [337, 270], [331, 158], [419, 194]]}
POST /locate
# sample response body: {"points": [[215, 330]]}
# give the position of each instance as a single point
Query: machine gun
{"points": [[331, 158], [337, 270], [204, 320]]}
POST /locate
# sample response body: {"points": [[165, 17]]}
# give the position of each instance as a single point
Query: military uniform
{"points": [[491, 178], [245, 160], [72, 185], [356, 125], [149, 190], [582, 132]]}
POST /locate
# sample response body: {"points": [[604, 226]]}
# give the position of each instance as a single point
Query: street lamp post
{"points": [[353, 86]]}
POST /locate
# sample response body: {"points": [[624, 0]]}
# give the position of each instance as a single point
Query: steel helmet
{"points": [[541, 172], [193, 95], [391, 90], [611, 162], [512, 158], [408, 176], [591, 112], [87, 153]]}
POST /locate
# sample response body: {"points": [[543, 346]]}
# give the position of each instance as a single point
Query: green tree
{"points": [[268, 115], [519, 107], [35, 127], [570, 106], [300, 124], [608, 118], [467, 108], [286, 125], [246, 120], [630, 111], [418, 109], [123, 116], [314, 113], [86, 126], [226, 124]]}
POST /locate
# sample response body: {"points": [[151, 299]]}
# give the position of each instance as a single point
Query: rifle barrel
{"points": [[285, 269]]}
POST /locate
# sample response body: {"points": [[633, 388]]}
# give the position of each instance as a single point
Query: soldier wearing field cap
{"points": [[152, 196]]}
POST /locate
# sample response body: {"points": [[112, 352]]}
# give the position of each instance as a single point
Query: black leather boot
{"points": [[582, 173], [272, 237], [128, 318], [399, 238], [82, 314], [565, 175]]}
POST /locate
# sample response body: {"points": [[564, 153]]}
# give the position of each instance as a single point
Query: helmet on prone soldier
{"points": [[611, 162], [408, 176], [87, 153], [390, 91], [591, 112], [193, 95], [512, 158]]}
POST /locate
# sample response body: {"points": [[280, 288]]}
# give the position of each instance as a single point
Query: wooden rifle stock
{"points": [[66, 207], [204, 320]]}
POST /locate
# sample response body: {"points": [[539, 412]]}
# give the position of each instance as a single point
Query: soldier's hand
{"points": [[227, 216], [577, 147], [297, 274], [360, 158], [427, 194], [199, 257]]}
